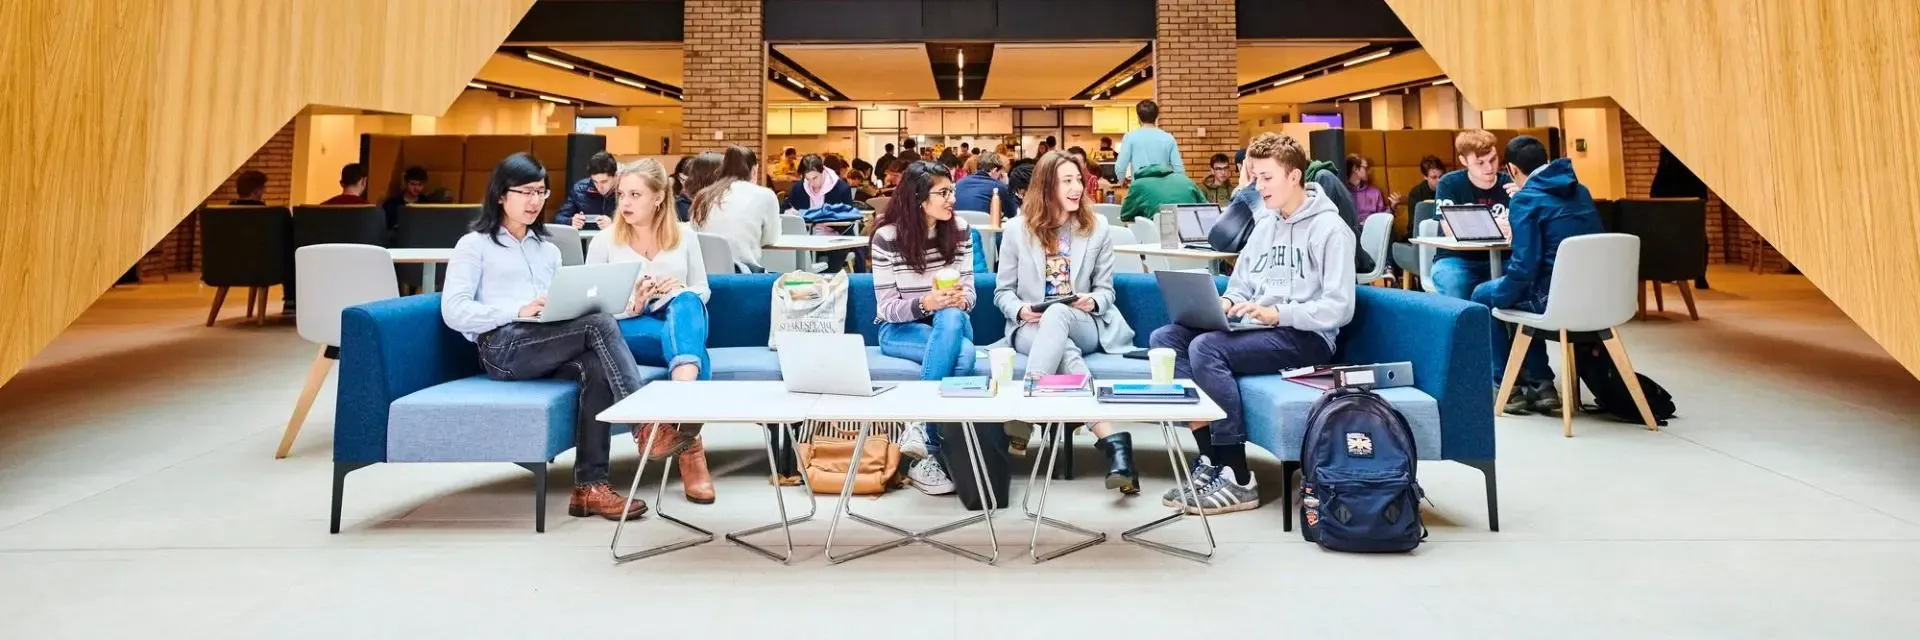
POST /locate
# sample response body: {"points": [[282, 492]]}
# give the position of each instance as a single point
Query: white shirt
{"points": [[683, 263], [490, 279], [748, 216]]}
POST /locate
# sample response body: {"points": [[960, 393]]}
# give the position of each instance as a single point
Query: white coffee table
{"points": [[1495, 265], [1211, 258], [708, 402]]}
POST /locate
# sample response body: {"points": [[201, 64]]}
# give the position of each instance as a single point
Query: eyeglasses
{"points": [[941, 193], [537, 194]]}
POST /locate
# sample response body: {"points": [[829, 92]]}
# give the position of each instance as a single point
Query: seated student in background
{"points": [[819, 186], [1296, 274], [703, 169], [1550, 206], [975, 192], [1155, 185], [917, 238], [1218, 185], [1089, 173], [1431, 168], [1367, 199], [1056, 249], [251, 187], [1019, 178], [1456, 273], [591, 198], [886, 159], [788, 166], [414, 185], [682, 198], [353, 185], [733, 207], [668, 326], [501, 272]]}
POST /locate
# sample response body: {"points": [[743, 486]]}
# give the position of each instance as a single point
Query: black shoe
{"points": [[1544, 399], [1517, 402], [1120, 472]]}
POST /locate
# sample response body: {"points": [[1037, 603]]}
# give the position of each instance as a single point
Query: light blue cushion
{"points": [[744, 363], [477, 419], [1276, 415]]}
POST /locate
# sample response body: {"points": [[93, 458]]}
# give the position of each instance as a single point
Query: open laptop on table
{"points": [[1195, 221], [826, 363], [1193, 302], [1472, 224], [582, 289]]}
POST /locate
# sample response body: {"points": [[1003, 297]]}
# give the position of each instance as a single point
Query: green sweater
{"points": [[1155, 185]]}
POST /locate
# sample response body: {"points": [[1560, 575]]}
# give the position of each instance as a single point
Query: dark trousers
{"points": [[1213, 358], [587, 350]]}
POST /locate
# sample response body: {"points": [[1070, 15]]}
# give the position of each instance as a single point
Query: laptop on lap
{"points": [[1194, 302], [589, 288], [826, 363]]}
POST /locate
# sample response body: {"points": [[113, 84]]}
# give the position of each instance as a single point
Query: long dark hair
{"points": [[735, 166], [517, 169], [680, 169], [906, 214]]}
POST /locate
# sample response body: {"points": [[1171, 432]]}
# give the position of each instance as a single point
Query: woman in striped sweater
{"points": [[918, 241]]}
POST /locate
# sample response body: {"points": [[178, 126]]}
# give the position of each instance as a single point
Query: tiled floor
{"points": [[138, 495]]}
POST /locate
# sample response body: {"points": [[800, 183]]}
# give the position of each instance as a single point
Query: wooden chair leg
{"points": [[260, 315], [1686, 291], [316, 376], [1640, 292], [1514, 357], [1618, 350], [1659, 299], [1567, 384], [219, 298], [253, 298]]}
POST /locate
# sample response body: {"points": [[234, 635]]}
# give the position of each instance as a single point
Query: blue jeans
{"points": [[1456, 277], [1214, 360], [671, 336], [1533, 369], [944, 348]]}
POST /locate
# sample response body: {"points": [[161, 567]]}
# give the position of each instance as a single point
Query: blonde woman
{"points": [[666, 320]]}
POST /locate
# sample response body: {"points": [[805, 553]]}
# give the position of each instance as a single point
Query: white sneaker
{"points": [[913, 440], [930, 477]]}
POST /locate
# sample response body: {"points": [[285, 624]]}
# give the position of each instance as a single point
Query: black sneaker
{"points": [[1517, 403], [1544, 400]]}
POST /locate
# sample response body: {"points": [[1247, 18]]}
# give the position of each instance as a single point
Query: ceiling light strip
{"points": [[552, 61], [1368, 58]]}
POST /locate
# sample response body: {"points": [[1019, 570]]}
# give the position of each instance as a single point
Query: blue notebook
{"points": [[966, 387], [1139, 389]]}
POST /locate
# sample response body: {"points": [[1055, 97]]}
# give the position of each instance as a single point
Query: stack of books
{"points": [[966, 387], [1064, 385], [1143, 393]]}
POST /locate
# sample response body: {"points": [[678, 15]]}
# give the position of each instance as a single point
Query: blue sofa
{"points": [[411, 390]]}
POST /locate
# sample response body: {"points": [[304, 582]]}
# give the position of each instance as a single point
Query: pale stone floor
{"points": [[138, 496]]}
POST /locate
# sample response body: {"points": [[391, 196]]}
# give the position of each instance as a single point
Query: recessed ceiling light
{"points": [[794, 82], [1368, 58], [1363, 96], [476, 85], [556, 100], [1443, 81], [630, 83], [1287, 81], [558, 63]]}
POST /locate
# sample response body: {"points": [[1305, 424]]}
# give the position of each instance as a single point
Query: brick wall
{"points": [[1194, 76], [1729, 238], [179, 251], [725, 76]]}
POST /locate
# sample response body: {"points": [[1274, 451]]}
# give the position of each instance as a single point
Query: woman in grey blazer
{"points": [[1058, 249]]}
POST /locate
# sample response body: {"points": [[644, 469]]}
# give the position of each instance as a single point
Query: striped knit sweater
{"points": [[897, 288]]}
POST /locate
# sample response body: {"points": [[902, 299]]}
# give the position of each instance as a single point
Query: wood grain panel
{"points": [[1803, 114], [118, 117]]}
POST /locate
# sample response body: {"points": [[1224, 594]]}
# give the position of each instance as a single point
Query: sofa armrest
{"points": [[389, 349], [1448, 342]]}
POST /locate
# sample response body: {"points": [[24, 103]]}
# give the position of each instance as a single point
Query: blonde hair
{"points": [[665, 225]]}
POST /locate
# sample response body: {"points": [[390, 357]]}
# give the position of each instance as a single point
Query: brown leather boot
{"points": [[599, 499], [694, 475], [672, 441]]}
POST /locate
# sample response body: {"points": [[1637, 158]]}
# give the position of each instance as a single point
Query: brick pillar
{"points": [[1194, 79], [180, 250], [726, 69]]}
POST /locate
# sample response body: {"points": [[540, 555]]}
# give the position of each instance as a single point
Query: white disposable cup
{"points": [[1001, 360], [1161, 363]]}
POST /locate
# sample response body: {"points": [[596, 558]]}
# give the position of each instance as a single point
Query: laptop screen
{"points": [[1196, 220], [1471, 222]]}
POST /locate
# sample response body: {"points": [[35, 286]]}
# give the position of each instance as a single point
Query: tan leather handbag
{"points": [[827, 455]]}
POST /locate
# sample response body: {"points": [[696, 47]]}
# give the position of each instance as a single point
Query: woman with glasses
{"points": [[1055, 288], [668, 323], [499, 273], [922, 316]]}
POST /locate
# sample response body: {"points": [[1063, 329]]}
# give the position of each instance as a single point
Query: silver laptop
{"points": [[1195, 221], [1472, 224], [589, 288], [1194, 302], [827, 363]]}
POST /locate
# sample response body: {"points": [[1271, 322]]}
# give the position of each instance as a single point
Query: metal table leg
{"points": [[659, 508], [785, 525], [1182, 477], [906, 536], [1053, 437], [429, 272]]}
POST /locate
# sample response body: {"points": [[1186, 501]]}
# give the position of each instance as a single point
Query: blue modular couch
{"points": [[411, 389]]}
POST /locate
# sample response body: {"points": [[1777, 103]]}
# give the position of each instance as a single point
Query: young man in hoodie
{"points": [[1155, 185], [1550, 206], [1296, 274]]}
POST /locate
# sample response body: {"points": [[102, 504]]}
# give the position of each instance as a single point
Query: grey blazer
{"points": [[1022, 280]]}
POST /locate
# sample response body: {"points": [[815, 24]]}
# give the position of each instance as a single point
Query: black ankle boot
{"points": [[1120, 472]]}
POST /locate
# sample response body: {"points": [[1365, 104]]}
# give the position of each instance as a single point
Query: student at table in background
{"points": [[920, 320], [1218, 185], [1019, 178], [668, 323], [951, 160], [413, 187], [1106, 152], [703, 169], [1057, 249], [819, 186], [788, 165], [1456, 273], [591, 198], [860, 176], [746, 214], [975, 192], [682, 198], [1431, 168], [1367, 199], [1295, 274], [1156, 185], [885, 162], [353, 185], [1089, 174], [501, 272], [1147, 145], [1550, 206], [251, 187]]}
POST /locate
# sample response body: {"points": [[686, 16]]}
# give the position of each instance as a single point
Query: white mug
{"points": [[1160, 361], [1001, 360]]}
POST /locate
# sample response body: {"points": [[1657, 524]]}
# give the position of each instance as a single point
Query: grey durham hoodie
{"points": [[1300, 264]]}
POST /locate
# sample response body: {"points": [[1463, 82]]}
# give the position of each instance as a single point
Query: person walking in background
{"points": [[1367, 199], [1147, 145], [1156, 185], [735, 208], [353, 186], [1218, 186], [1480, 182], [590, 199]]}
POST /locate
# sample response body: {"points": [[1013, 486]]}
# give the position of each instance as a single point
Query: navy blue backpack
{"points": [[1358, 461]]}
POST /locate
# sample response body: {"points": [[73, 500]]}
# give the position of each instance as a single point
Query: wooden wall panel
{"points": [[118, 117], [1804, 115]]}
